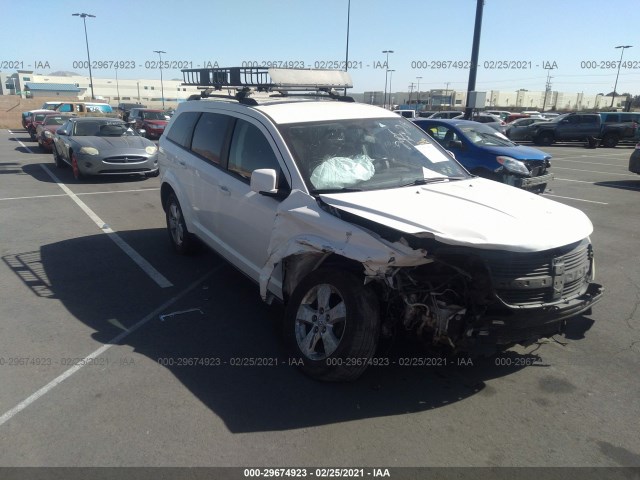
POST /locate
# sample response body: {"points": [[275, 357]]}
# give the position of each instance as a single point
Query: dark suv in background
{"points": [[125, 108]]}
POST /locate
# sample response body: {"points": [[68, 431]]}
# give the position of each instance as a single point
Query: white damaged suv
{"points": [[363, 226]]}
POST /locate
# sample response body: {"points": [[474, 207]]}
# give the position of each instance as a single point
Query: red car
{"points": [[151, 121], [32, 121], [47, 129]]}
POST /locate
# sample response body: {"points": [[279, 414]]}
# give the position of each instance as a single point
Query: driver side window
{"points": [[250, 151]]}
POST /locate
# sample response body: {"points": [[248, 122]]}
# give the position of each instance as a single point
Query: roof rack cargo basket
{"points": [[267, 79]]}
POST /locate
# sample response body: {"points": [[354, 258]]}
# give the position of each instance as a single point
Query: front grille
{"points": [[125, 159], [536, 167], [123, 170], [542, 277]]}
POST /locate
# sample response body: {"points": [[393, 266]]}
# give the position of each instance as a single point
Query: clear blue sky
{"points": [[518, 33]]}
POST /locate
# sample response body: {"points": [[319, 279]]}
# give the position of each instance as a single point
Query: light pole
{"points": [[386, 73], [118, 87], [346, 60], [418, 95], [613, 97], [86, 39], [160, 52], [390, 72], [446, 94], [547, 87]]}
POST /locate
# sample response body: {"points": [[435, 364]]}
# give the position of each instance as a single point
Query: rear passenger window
{"points": [[182, 128], [250, 150], [209, 135]]}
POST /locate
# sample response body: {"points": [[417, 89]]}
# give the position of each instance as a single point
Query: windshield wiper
{"points": [[425, 181], [317, 191]]}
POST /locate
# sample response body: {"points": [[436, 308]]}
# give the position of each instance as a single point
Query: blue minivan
{"points": [[488, 153]]}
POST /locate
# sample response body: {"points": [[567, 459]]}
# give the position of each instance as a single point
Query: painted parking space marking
{"points": [[95, 354], [154, 274], [593, 171], [576, 199], [599, 184], [35, 196], [80, 194], [589, 163]]}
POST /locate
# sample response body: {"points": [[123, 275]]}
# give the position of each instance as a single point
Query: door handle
{"points": [[182, 162]]}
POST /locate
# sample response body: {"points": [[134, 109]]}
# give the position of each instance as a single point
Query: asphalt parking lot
{"points": [[100, 324]]}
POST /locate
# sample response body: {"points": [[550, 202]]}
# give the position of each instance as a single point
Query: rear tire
{"points": [[182, 241], [332, 324]]}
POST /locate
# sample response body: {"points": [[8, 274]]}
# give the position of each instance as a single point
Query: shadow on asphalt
{"points": [[65, 175], [10, 167], [621, 184], [96, 283]]}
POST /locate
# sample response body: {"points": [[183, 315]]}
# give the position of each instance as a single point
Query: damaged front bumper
{"points": [[527, 182], [517, 325]]}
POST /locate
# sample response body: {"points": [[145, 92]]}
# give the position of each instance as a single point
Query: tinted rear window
{"points": [[182, 128], [209, 135]]}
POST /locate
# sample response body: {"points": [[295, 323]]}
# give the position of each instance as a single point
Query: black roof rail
{"points": [[279, 80]]}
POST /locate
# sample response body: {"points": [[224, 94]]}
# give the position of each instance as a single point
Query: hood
{"points": [[158, 123], [108, 143], [478, 213], [518, 152]]}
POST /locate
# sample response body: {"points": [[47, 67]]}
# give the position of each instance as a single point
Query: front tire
{"points": [[56, 158], [544, 138], [610, 140], [182, 241], [77, 174], [332, 324]]}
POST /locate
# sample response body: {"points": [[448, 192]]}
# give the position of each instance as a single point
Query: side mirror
{"points": [[60, 131], [263, 180], [455, 144]]}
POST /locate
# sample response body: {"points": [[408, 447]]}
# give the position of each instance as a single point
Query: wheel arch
{"points": [[298, 266], [165, 191]]}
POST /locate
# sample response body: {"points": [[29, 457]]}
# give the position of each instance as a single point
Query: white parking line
{"points": [[593, 171], [589, 163], [34, 196], [618, 154], [577, 199], [600, 184], [80, 194], [572, 180], [92, 356], [155, 275]]}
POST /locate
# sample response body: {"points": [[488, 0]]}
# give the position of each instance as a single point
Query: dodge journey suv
{"points": [[362, 225]]}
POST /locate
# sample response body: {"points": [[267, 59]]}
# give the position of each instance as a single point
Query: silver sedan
{"points": [[103, 146]]}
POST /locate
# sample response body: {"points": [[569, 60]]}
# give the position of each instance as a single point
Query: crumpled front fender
{"points": [[326, 233]]}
